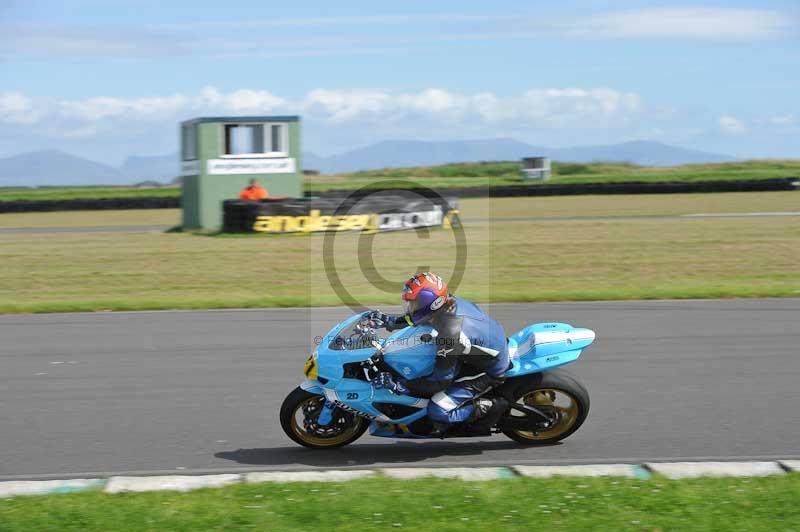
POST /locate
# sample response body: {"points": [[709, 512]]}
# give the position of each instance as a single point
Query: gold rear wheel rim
{"points": [[299, 430], [560, 401]]}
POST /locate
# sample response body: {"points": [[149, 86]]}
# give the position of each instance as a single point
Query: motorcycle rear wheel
{"points": [[295, 423], [556, 391]]}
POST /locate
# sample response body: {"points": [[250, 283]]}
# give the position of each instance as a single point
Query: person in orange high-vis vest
{"points": [[253, 191]]}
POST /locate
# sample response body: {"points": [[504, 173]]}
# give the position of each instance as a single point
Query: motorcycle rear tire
{"points": [[557, 381]]}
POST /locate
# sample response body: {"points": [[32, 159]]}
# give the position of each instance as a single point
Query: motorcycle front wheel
{"points": [[560, 394], [300, 412]]}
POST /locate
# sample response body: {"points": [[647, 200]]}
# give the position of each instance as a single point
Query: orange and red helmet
{"points": [[424, 294]]}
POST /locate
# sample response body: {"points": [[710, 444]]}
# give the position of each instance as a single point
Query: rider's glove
{"points": [[386, 381], [378, 318]]}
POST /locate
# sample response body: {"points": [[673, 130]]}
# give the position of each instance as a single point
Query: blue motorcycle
{"points": [[336, 403]]}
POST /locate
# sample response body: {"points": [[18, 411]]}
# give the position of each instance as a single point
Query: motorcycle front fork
{"points": [[325, 414]]}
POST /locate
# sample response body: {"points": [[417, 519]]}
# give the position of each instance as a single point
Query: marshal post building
{"points": [[220, 155]]}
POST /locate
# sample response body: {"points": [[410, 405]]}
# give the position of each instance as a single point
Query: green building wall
{"points": [[203, 193]]}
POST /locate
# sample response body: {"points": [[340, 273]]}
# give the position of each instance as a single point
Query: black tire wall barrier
{"points": [[89, 204], [510, 191]]}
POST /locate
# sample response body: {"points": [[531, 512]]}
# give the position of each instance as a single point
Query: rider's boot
{"points": [[487, 413]]}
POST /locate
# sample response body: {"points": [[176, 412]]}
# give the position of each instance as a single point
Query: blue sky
{"points": [[106, 79]]}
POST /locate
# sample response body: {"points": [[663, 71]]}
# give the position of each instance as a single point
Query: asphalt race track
{"points": [[191, 392]]}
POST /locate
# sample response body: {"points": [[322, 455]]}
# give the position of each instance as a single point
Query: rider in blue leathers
{"points": [[471, 356]]}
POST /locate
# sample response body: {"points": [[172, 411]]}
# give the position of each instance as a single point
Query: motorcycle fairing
{"points": [[312, 386], [404, 351], [545, 346], [359, 396], [393, 430], [533, 349], [407, 353], [330, 361]]}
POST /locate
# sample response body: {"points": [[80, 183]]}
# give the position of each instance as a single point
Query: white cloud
{"points": [[684, 22], [730, 125], [16, 108], [538, 108], [433, 101], [103, 107], [323, 36], [348, 104], [158, 108], [563, 106], [85, 132], [340, 21], [559, 106], [24, 40], [242, 100], [351, 113], [783, 120], [357, 104], [576, 104], [704, 23]]}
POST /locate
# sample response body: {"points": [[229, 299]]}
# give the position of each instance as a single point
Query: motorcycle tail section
{"points": [[544, 346]]}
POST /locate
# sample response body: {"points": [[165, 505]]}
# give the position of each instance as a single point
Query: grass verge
{"points": [[91, 218], [428, 505], [510, 258]]}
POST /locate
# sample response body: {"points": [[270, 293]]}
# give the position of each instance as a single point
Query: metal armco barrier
{"points": [[381, 211]]}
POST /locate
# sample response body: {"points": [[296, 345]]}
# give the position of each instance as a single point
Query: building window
{"points": [[264, 140], [276, 136], [189, 142], [241, 140]]}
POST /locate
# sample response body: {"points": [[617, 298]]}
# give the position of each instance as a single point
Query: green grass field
{"points": [[460, 175], [91, 218], [509, 259], [438, 505]]}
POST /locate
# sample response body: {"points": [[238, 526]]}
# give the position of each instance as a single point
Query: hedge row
{"points": [[755, 185]]}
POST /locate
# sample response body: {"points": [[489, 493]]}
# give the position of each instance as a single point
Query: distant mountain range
{"points": [[53, 167]]}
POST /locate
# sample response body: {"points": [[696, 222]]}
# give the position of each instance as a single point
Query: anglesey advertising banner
{"points": [[379, 212]]}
